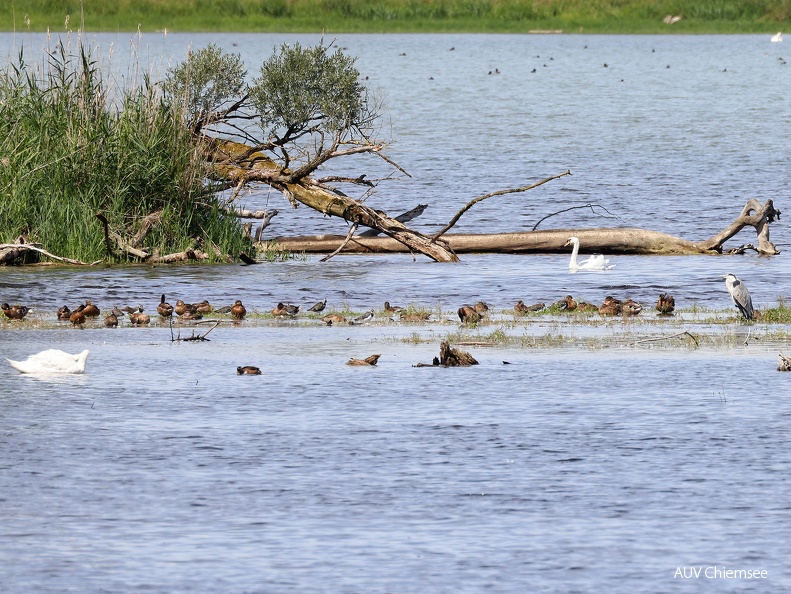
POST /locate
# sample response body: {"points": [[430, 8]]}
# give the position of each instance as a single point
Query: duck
{"points": [[138, 318], [481, 307], [468, 315], [280, 310], [665, 305], [111, 321], [318, 306], [521, 308], [567, 303], [417, 316], [238, 311], [331, 319], [631, 307], [391, 308], [611, 307], [52, 361], [77, 318], [204, 307], [15, 312], [90, 310], [164, 308], [248, 370], [292, 310], [191, 315], [181, 307], [64, 312], [585, 306], [594, 262]]}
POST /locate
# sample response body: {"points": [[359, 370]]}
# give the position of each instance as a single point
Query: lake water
{"points": [[571, 469]]}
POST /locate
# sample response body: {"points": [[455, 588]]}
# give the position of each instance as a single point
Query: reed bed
{"points": [[74, 144]]}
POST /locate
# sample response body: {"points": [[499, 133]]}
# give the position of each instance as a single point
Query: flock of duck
{"points": [[55, 361]]}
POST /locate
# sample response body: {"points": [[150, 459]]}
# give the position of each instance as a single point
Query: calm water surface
{"points": [[569, 470]]}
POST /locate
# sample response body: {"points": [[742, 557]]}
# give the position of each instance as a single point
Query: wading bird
{"points": [[740, 295]]}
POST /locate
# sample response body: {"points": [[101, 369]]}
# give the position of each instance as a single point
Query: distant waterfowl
{"points": [[138, 318], [15, 312], [280, 310], [191, 315], [631, 308], [585, 306], [468, 315], [594, 262], [111, 320], [740, 296], [292, 310], [331, 319], [611, 307], [90, 310], [51, 361], [415, 316], [521, 308], [391, 308], [363, 318], [64, 312], [164, 308], [238, 311], [318, 306], [77, 318], [182, 307], [665, 305], [248, 370], [777, 37], [203, 307], [481, 307]]}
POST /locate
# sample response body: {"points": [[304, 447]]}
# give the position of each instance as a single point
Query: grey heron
{"points": [[740, 295]]}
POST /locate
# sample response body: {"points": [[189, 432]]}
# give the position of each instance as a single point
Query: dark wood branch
{"points": [[755, 215], [9, 252], [117, 245], [145, 228], [591, 206], [475, 201], [343, 245]]}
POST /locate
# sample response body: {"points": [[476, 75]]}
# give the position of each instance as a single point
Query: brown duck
{"points": [[15, 312], [248, 370], [111, 321], [665, 304], [77, 318], [64, 312], [611, 307], [164, 308], [468, 315], [138, 318], [331, 319], [238, 310], [90, 310]]}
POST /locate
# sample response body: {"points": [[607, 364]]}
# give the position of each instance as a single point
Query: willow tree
{"points": [[306, 107]]}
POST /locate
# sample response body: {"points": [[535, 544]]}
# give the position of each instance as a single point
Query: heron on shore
{"points": [[740, 295]]}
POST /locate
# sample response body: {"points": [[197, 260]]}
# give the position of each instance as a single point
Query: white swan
{"points": [[594, 262], [777, 38], [51, 361]]}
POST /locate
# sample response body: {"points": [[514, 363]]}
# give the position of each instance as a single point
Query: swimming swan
{"points": [[52, 361], [777, 38], [595, 262]]}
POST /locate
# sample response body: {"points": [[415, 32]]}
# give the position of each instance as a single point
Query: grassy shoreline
{"points": [[400, 16]]}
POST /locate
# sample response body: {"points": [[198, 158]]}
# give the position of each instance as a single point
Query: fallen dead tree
{"points": [[618, 240]]}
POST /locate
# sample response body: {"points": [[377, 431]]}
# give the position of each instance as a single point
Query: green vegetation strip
{"points": [[381, 16]]}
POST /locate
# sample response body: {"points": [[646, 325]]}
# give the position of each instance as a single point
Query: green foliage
{"points": [[72, 146], [300, 87], [205, 82]]}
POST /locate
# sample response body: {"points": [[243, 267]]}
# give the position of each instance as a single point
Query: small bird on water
{"points": [[318, 306], [248, 370]]}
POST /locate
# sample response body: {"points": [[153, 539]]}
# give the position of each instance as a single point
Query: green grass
{"points": [[331, 16]]}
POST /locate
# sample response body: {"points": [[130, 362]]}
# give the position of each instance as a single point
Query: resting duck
{"points": [[111, 321], [248, 370], [191, 315], [331, 319], [665, 305], [611, 307], [418, 316], [164, 308], [292, 310], [319, 306], [64, 312], [182, 307], [391, 308], [280, 310], [15, 312], [468, 315], [567, 303], [631, 308], [90, 310], [481, 307], [138, 318], [77, 318], [204, 307], [238, 310]]}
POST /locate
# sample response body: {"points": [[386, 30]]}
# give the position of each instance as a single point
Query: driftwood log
{"points": [[618, 240], [450, 357]]}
